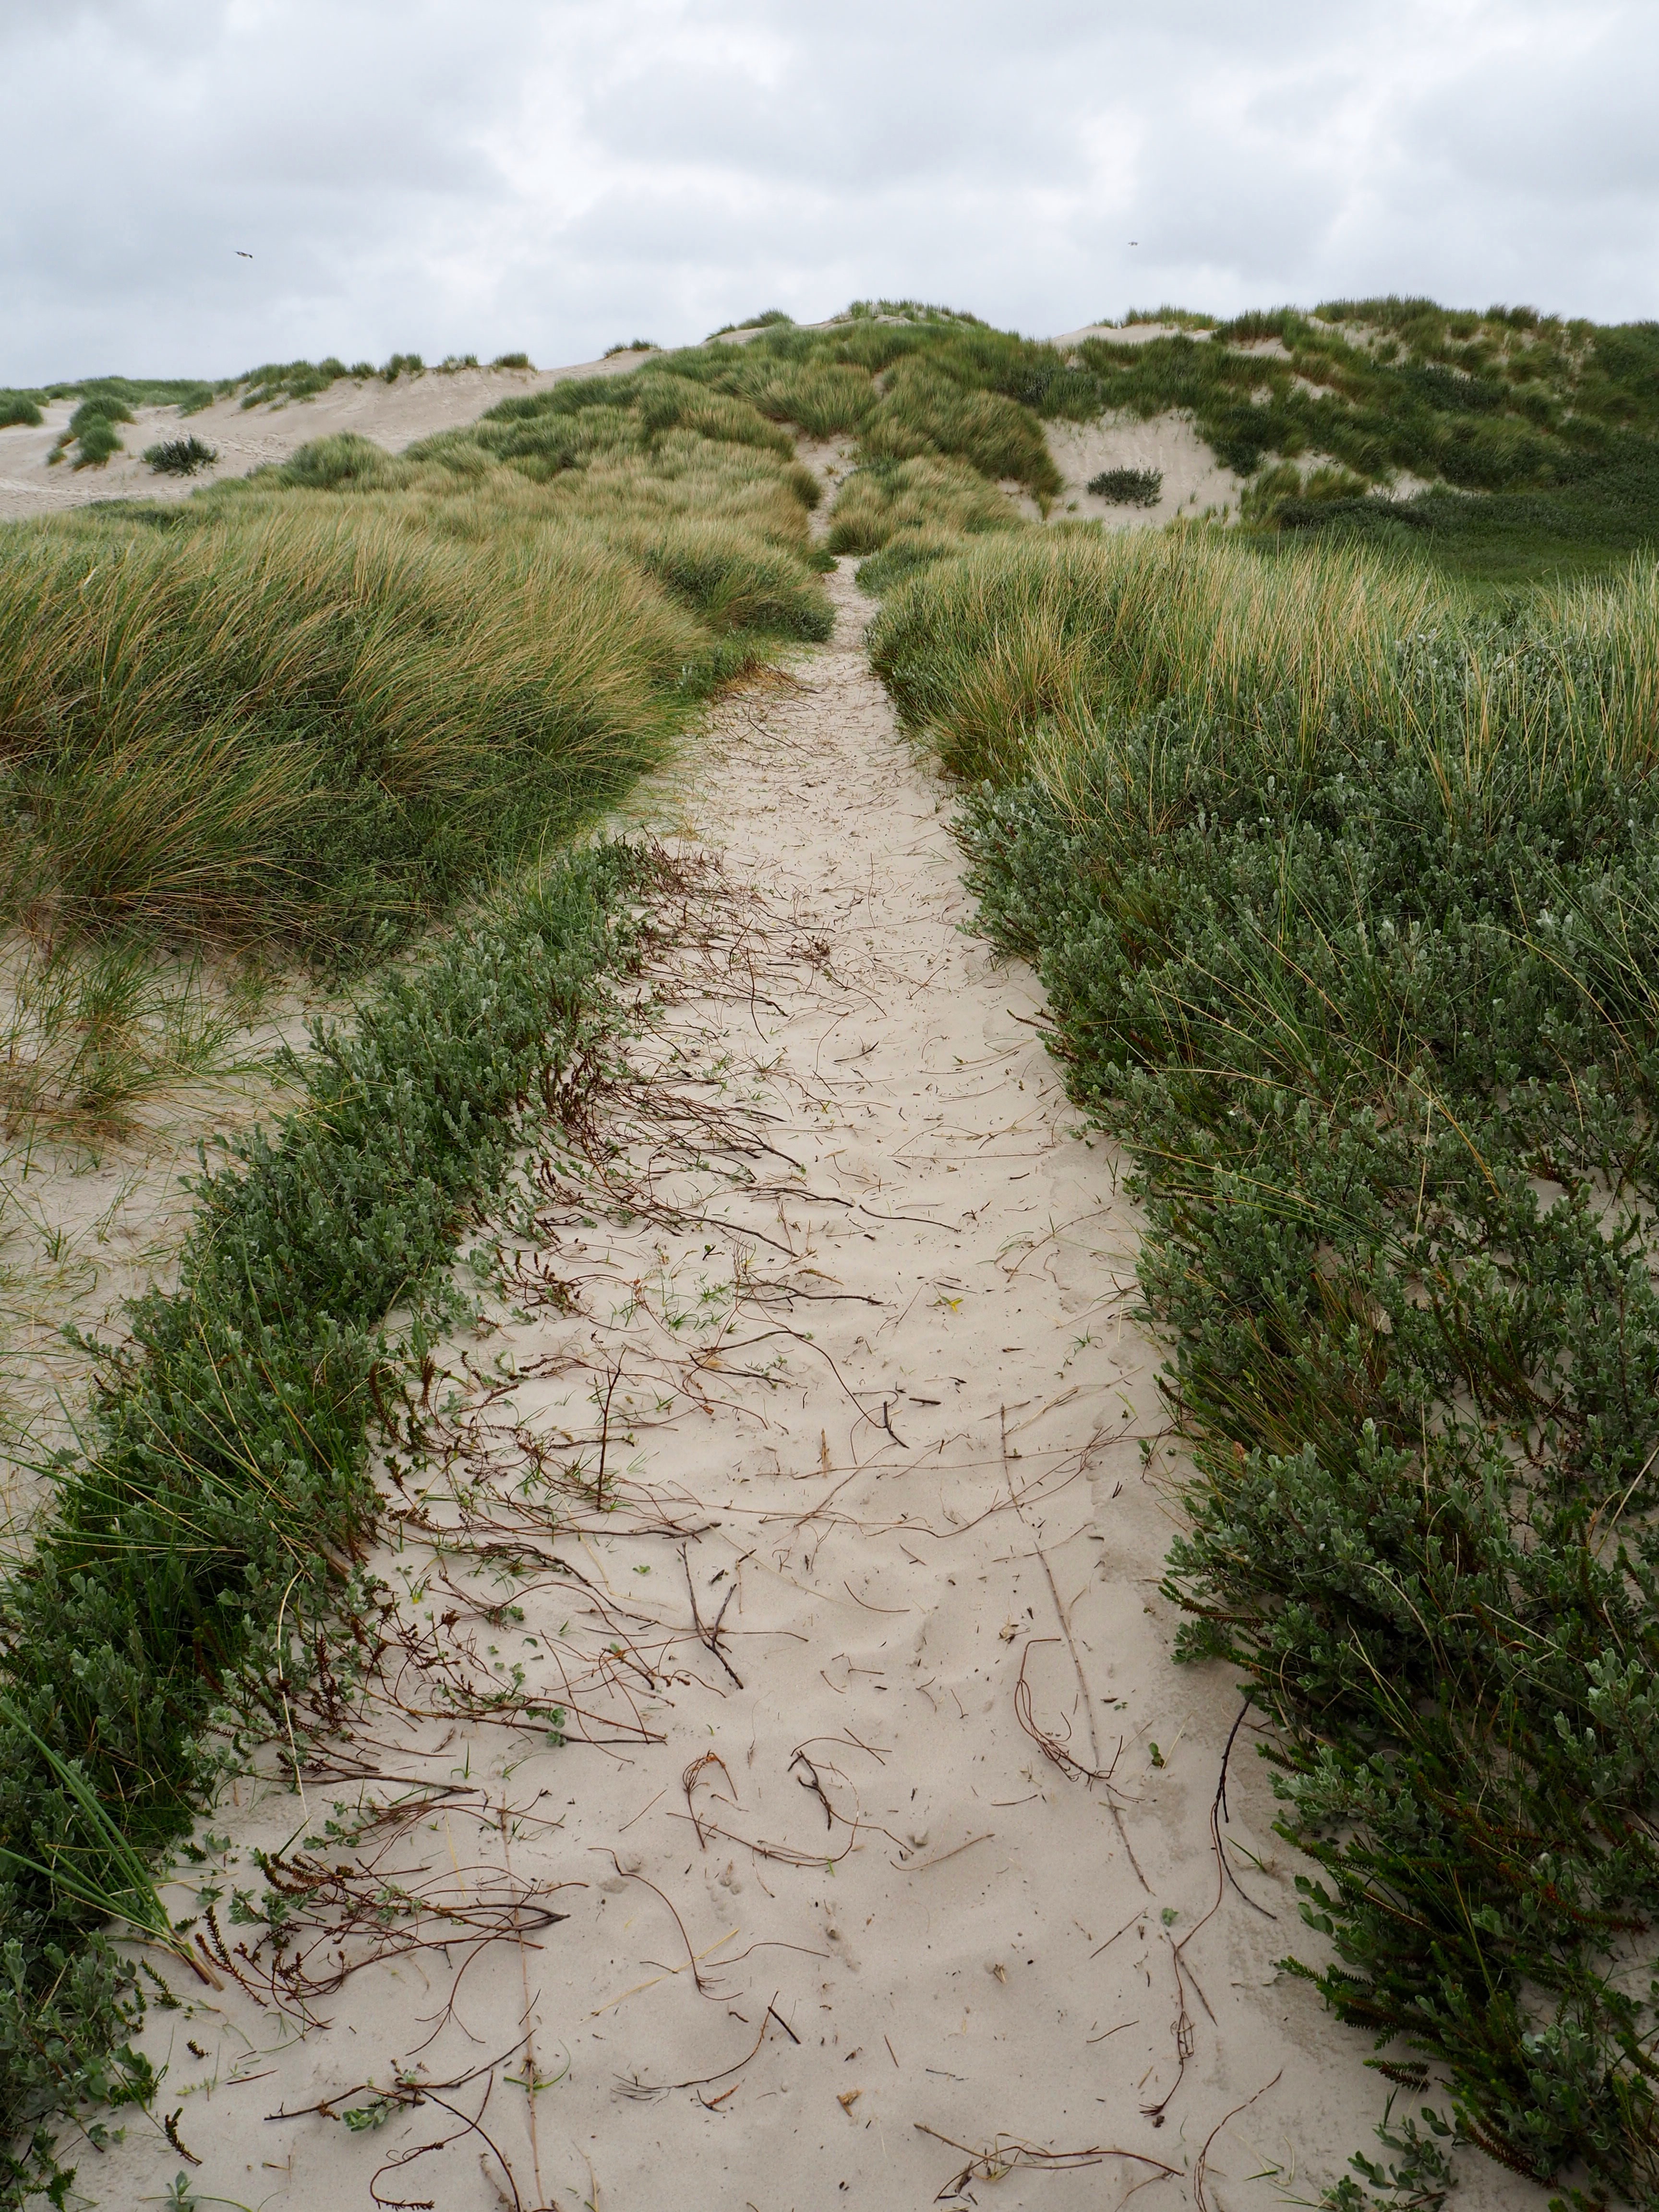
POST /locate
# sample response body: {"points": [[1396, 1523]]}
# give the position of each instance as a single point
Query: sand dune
{"points": [[393, 415]]}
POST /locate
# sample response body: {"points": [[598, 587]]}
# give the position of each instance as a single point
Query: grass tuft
{"points": [[1129, 487], [886, 501], [180, 457]]}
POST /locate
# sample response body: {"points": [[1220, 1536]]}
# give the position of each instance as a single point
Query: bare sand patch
{"points": [[94, 1207], [1194, 482], [1128, 333], [392, 415], [808, 1467]]}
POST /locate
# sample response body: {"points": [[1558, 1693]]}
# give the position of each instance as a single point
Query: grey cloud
{"points": [[562, 173]]}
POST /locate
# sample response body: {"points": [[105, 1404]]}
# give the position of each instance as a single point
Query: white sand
{"points": [[392, 415], [853, 1299], [90, 1218], [1128, 334], [1195, 483]]}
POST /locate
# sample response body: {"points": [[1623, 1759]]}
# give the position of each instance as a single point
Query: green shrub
{"points": [[1128, 487], [18, 407], [511, 361], [180, 457]]}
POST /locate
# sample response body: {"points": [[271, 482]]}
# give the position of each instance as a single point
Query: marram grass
{"points": [[291, 725]]}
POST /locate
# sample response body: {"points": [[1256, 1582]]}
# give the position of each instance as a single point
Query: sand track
{"points": [[802, 1471]]}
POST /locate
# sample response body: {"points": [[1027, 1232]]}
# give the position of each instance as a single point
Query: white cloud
{"points": [[563, 173]]}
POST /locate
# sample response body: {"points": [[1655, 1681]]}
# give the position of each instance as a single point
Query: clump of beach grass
{"points": [[180, 457], [93, 431], [883, 500], [1128, 487], [93, 1029]]}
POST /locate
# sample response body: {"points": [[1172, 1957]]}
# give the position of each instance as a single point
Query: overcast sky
{"points": [[475, 175]]}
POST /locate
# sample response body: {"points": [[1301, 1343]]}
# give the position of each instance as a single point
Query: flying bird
{"points": [[242, 254]]}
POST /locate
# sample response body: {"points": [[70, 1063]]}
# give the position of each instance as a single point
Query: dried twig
{"points": [[628, 1875], [631, 2086], [1201, 2171], [688, 1782], [708, 1635], [1051, 1746], [1008, 2152], [1218, 1812]]}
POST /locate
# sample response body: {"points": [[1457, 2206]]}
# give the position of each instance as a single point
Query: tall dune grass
{"points": [[313, 707], [887, 499], [301, 724], [1346, 896], [1296, 659]]}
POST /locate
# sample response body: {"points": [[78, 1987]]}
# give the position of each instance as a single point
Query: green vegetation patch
{"points": [[300, 726], [180, 457], [193, 1553], [305, 712], [1128, 487], [1345, 898], [886, 501], [92, 428], [1548, 428], [906, 380], [1592, 520], [1492, 402]]}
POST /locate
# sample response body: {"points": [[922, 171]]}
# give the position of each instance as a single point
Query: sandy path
{"points": [[825, 1324]]}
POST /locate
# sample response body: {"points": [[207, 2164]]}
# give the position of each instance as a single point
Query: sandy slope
{"points": [[808, 1449], [89, 1221], [1194, 482], [393, 415]]}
